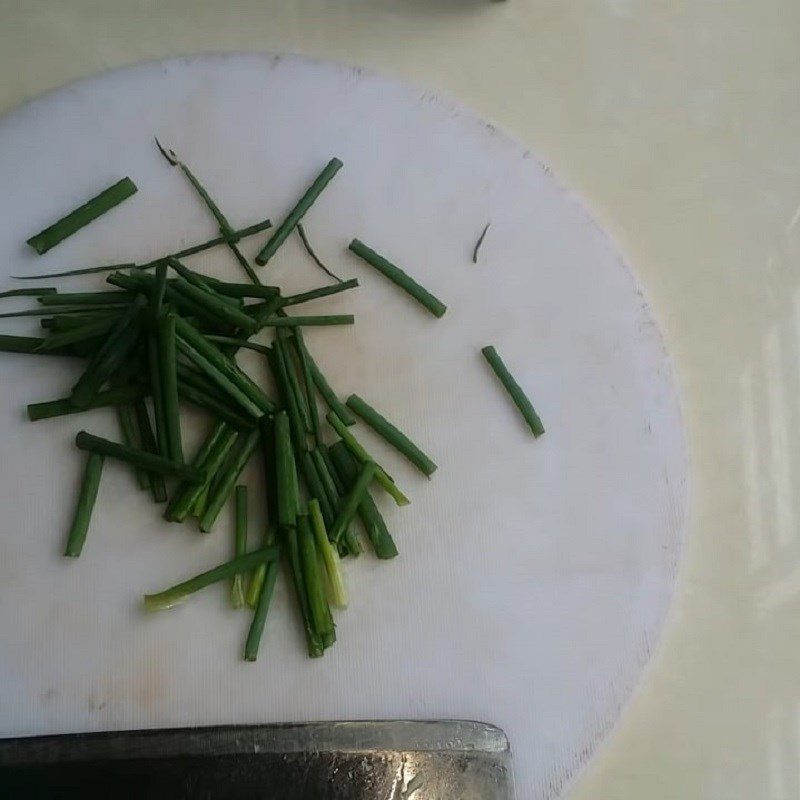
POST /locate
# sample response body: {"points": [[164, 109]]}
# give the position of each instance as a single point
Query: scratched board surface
{"points": [[533, 576]]}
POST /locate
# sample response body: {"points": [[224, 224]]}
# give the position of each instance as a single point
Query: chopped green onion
{"points": [[168, 363], [314, 294], [240, 544], [315, 592], [139, 458], [82, 216], [514, 390], [86, 501], [63, 406], [329, 556], [394, 436], [176, 594], [285, 473], [400, 278], [323, 320], [297, 213], [356, 448], [351, 501], [29, 292]]}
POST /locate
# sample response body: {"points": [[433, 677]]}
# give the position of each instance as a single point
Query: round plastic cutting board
{"points": [[533, 576]]}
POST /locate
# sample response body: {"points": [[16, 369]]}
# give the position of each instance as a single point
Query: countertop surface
{"points": [[679, 124]]}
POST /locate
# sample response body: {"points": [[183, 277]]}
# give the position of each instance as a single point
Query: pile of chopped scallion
{"points": [[163, 337]]}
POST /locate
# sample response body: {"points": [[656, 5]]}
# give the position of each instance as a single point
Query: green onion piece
{"points": [[84, 299], [308, 383], [158, 488], [63, 406], [200, 281], [140, 458], [285, 473], [222, 370], [283, 344], [251, 230], [209, 459], [86, 501], [176, 594], [310, 250], [514, 390], [239, 343], [112, 353], [240, 544], [329, 556], [479, 243], [314, 484], [297, 213], [392, 435], [26, 344], [322, 320], [79, 333], [356, 448], [226, 479], [346, 466], [242, 290], [218, 408], [330, 397], [224, 309], [323, 291], [29, 292], [130, 437], [350, 503], [398, 277], [313, 640], [82, 216], [267, 428], [315, 591], [328, 481], [153, 345], [44, 312], [264, 596], [283, 377], [168, 363]]}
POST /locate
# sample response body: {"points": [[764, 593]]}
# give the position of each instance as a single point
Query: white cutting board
{"points": [[534, 576]]}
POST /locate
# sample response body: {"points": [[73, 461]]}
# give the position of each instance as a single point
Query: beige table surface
{"points": [[679, 121]]}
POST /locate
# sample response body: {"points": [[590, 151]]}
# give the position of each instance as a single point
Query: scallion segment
{"points": [[82, 216], [86, 501], [299, 211], [514, 390], [399, 278]]}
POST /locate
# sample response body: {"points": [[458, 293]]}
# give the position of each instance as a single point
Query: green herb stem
{"points": [[514, 390], [86, 501]]}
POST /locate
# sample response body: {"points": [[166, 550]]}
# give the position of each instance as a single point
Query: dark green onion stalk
{"points": [[86, 501], [514, 390]]}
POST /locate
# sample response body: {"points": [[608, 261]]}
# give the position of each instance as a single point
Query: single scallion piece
{"points": [[130, 437], [514, 390], [357, 449], [283, 377], [264, 597], [139, 458], [345, 465], [45, 312], [78, 333], [84, 299], [314, 294], [285, 473], [297, 213], [338, 591], [82, 216], [310, 250], [30, 345], [86, 501], [393, 435], [308, 383], [168, 364], [317, 321], [350, 503], [40, 292], [398, 277], [158, 488], [313, 639], [330, 397], [63, 406], [240, 543], [176, 594], [315, 591], [226, 479]]}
